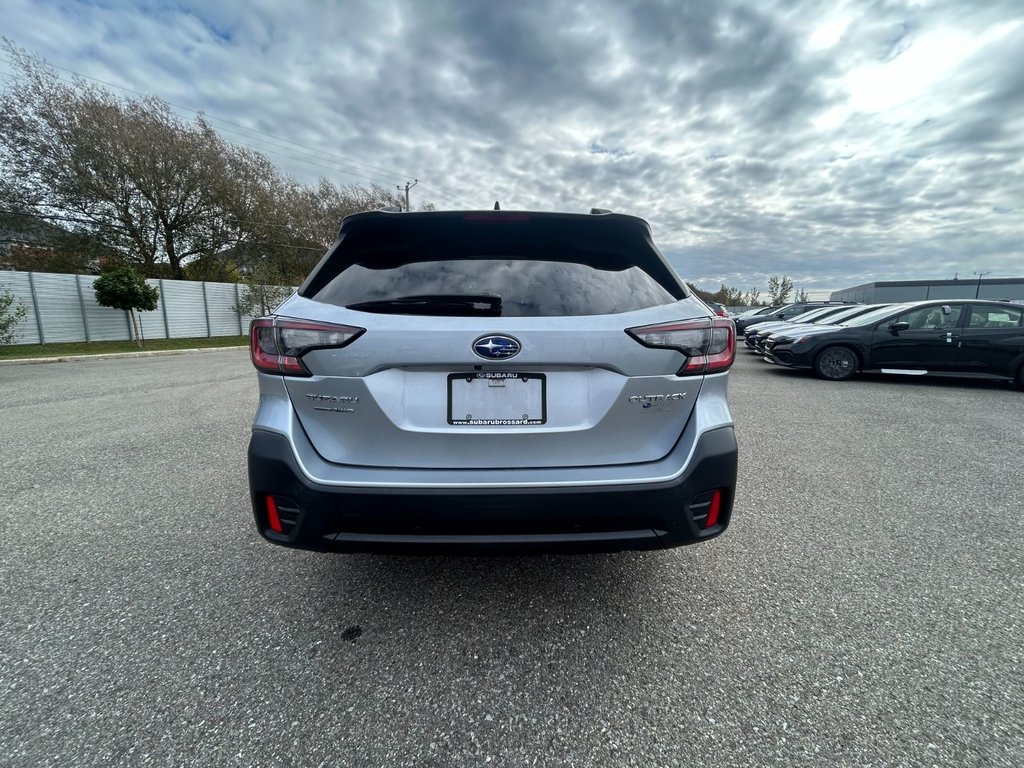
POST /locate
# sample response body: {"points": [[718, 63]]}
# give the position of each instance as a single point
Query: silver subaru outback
{"points": [[492, 381]]}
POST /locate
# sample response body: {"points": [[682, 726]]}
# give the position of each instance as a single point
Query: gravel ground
{"points": [[864, 609]]}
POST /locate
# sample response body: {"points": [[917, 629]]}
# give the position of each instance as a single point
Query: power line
{"points": [[337, 157], [90, 221], [107, 225], [321, 157], [449, 196], [344, 164], [316, 163], [342, 158]]}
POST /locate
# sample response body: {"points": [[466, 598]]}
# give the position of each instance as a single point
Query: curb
{"points": [[113, 355]]}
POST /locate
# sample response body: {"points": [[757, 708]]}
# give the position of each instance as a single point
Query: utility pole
{"points": [[980, 275], [408, 186]]}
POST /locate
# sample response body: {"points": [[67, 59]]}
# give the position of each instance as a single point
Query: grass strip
{"points": [[20, 351]]}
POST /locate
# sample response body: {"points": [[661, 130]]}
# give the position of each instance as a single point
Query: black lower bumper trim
{"points": [[429, 520]]}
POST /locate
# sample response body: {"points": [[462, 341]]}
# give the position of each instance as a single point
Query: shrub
{"points": [[123, 288], [12, 312]]}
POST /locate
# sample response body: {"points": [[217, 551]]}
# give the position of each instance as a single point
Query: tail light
{"points": [[709, 343], [276, 344]]}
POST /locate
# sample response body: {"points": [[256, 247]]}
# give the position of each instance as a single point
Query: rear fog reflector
{"points": [[272, 517], [716, 505], [705, 508]]}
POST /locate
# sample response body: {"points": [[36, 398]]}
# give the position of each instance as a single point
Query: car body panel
{"points": [[997, 347], [393, 389], [275, 414]]}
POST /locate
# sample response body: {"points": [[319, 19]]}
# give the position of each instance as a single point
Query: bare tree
{"points": [[262, 291], [320, 209]]}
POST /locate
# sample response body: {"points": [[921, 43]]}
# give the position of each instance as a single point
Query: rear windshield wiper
{"points": [[445, 304]]}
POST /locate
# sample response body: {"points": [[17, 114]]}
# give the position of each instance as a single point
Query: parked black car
{"points": [[757, 312], [757, 338], [785, 312], [758, 332], [979, 339]]}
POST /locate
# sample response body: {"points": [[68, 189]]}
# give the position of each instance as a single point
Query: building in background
{"points": [[1011, 288]]}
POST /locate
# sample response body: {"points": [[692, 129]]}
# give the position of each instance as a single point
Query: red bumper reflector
{"points": [[716, 505], [272, 517]]}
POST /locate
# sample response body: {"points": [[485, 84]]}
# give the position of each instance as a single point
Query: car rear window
{"points": [[516, 267], [517, 287]]}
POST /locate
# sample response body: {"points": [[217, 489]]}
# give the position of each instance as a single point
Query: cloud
{"points": [[841, 143]]}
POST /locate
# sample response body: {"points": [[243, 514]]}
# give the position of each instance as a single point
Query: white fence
{"points": [[62, 308]]}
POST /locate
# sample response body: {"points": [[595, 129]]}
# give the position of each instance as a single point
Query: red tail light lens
{"points": [[276, 344], [709, 343]]}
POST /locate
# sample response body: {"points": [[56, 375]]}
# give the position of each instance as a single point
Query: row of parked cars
{"points": [[967, 338]]}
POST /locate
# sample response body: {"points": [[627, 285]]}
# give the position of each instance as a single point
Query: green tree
{"points": [[801, 295], [123, 288], [726, 295], [12, 312], [779, 289]]}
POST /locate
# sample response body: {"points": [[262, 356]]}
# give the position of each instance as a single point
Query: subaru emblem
{"points": [[496, 347]]}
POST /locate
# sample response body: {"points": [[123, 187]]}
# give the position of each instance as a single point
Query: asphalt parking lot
{"points": [[864, 609]]}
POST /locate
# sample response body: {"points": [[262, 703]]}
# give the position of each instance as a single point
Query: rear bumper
{"points": [[589, 518]]}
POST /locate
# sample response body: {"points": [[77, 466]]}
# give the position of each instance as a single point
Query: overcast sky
{"points": [[836, 142]]}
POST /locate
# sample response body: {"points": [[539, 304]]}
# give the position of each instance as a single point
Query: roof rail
{"points": [[599, 210]]}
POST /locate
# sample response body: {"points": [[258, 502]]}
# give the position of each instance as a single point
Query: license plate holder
{"points": [[497, 398]]}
